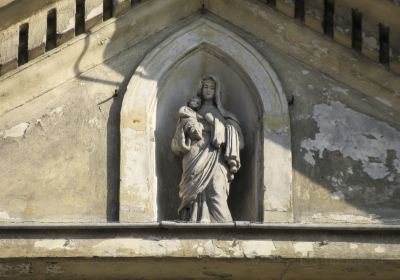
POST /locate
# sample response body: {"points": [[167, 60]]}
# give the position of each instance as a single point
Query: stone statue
{"points": [[209, 139]]}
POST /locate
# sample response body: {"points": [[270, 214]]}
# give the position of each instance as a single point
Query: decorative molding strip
{"points": [[198, 226]]}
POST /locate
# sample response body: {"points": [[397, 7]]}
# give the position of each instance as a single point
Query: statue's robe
{"points": [[204, 184]]}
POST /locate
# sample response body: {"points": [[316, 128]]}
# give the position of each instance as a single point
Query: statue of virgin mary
{"points": [[209, 139]]}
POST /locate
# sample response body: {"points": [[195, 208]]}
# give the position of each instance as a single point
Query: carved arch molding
{"points": [[162, 82]]}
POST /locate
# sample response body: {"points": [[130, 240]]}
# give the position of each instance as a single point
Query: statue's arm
{"points": [[234, 143], [240, 135], [180, 143]]}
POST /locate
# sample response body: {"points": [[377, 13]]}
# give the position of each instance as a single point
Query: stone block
{"points": [[65, 21], [120, 7], [9, 49], [93, 13], [286, 7], [370, 38], [394, 41], [395, 67], [342, 25], [8, 66], [314, 14], [37, 35]]}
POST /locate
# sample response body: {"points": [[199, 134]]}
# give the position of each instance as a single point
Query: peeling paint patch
{"points": [[303, 248], [16, 131], [349, 132], [258, 248]]}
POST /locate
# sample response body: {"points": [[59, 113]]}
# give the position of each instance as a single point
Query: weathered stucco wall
{"points": [[60, 135], [60, 159]]}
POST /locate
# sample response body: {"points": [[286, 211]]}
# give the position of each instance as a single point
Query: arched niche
{"points": [[251, 90]]}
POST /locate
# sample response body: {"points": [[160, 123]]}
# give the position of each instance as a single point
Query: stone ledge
{"points": [[237, 225], [194, 243]]}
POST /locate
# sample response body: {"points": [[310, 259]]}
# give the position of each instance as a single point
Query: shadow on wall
{"points": [[367, 187], [113, 135]]}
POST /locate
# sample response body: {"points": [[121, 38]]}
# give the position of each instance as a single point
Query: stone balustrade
{"points": [[69, 17], [371, 28]]}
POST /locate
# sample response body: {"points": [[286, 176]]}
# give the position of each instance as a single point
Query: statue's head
{"points": [[208, 88], [195, 103]]}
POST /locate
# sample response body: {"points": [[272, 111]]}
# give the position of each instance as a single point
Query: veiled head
{"points": [[208, 88]]}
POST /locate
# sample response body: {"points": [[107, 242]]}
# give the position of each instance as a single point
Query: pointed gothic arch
{"points": [[139, 178]]}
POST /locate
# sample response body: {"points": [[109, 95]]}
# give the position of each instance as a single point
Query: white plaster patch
{"points": [[57, 111], [258, 248], [137, 246], [94, 122], [336, 181], [337, 195], [171, 246], [353, 246], [355, 135], [71, 24], [380, 249], [4, 215], [384, 101], [200, 250], [350, 170], [16, 131], [348, 218], [344, 91], [54, 244], [308, 157], [370, 42], [303, 248], [95, 12]]}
